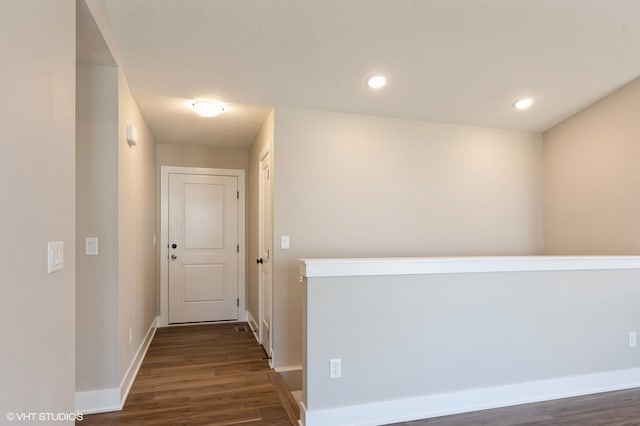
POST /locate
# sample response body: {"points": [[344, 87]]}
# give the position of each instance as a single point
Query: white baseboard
{"points": [[427, 406], [98, 401], [136, 362], [106, 400], [254, 326], [287, 368]]}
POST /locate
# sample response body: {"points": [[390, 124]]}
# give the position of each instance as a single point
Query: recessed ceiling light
{"points": [[377, 81], [523, 103], [206, 108]]}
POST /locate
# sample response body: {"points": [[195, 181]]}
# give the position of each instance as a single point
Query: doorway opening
{"points": [[202, 245]]}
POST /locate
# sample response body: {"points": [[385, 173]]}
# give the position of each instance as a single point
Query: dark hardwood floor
{"points": [[213, 375], [620, 408], [204, 375]]}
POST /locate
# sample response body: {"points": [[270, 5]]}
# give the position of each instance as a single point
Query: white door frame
{"points": [[164, 234], [264, 153]]}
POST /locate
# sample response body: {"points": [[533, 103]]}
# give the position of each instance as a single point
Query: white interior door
{"points": [[203, 248], [265, 241]]}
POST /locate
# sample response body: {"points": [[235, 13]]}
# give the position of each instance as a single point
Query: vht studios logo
{"points": [[43, 417]]}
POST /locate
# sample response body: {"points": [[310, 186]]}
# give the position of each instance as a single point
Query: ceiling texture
{"points": [[452, 61]]}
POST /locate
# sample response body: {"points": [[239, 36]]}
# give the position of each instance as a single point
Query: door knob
{"points": [[259, 261], [174, 257]]}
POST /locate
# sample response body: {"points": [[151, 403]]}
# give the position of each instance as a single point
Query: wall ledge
{"points": [[348, 267]]}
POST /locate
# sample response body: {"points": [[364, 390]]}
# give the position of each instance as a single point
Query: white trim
{"points": [[136, 362], [193, 324], [98, 401], [113, 399], [314, 268], [427, 406], [164, 224], [303, 414], [287, 368], [254, 326]]}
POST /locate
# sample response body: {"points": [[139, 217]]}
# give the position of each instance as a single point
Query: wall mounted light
{"points": [[132, 135], [205, 108]]}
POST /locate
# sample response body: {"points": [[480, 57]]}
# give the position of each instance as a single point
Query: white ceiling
{"points": [[456, 61]]}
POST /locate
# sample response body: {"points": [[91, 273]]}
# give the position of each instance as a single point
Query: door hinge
{"points": [[238, 302], [238, 195], [237, 248]]}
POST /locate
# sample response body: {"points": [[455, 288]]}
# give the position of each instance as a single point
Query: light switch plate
{"points": [[91, 246], [284, 242], [55, 256]]}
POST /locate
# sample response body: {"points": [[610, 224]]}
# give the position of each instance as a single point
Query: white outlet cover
{"points": [[335, 368]]}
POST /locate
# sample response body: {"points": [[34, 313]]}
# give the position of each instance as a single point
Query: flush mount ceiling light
{"points": [[524, 103], [206, 108], [377, 81]]}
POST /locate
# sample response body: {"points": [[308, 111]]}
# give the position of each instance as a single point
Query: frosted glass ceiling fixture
{"points": [[522, 104], [377, 81], [205, 108]]}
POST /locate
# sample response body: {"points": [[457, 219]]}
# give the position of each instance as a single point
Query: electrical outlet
{"points": [[335, 368], [130, 335], [633, 340]]}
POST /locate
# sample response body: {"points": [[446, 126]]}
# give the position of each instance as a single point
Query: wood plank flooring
{"points": [[213, 375], [621, 408], [204, 375]]}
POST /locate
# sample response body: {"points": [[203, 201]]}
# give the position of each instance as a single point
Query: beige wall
{"points": [[138, 284], [97, 216], [37, 166], [485, 339], [353, 185], [263, 140], [591, 178], [202, 156], [134, 178]]}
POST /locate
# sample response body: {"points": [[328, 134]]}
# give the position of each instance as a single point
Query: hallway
{"points": [[204, 374]]}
